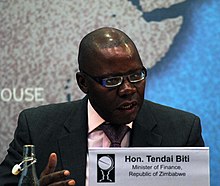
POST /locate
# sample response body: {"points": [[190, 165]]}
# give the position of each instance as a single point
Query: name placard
{"points": [[176, 166]]}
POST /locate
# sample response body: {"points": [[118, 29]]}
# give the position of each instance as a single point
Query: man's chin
{"points": [[122, 120], [122, 117]]}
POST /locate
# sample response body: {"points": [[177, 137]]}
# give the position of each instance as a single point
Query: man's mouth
{"points": [[127, 106]]}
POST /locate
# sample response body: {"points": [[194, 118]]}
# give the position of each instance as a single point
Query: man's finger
{"points": [[55, 178], [51, 165]]}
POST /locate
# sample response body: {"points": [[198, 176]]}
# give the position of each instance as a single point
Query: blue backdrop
{"points": [[188, 77]]}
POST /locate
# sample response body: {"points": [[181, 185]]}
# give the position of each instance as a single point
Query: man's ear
{"points": [[82, 82]]}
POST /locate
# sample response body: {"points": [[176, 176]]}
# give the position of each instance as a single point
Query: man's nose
{"points": [[126, 88]]}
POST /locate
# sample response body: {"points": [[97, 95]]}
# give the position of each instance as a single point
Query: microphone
{"points": [[19, 167]]}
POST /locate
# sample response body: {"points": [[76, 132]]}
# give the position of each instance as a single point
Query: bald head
{"points": [[107, 56], [95, 42]]}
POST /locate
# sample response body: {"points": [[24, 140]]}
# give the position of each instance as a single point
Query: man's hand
{"points": [[49, 177]]}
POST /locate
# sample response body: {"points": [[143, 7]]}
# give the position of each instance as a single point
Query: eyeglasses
{"points": [[111, 82]]}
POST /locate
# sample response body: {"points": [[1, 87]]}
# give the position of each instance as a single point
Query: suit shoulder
{"points": [[177, 127], [53, 108], [167, 111], [57, 112]]}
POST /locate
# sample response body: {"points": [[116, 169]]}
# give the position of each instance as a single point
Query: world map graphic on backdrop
{"points": [[39, 44]]}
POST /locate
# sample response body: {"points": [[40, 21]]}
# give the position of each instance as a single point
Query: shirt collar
{"points": [[94, 119]]}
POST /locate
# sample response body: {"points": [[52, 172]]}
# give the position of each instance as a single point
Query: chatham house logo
{"points": [[105, 168]]}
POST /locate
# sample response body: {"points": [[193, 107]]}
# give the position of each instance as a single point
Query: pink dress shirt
{"points": [[98, 138]]}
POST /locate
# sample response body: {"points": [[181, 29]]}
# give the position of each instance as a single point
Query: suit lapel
{"points": [[144, 127], [73, 144]]}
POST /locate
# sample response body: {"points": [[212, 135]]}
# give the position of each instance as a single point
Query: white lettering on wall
{"points": [[22, 94]]}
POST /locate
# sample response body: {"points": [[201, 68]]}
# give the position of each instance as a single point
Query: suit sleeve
{"points": [[14, 155], [195, 138]]}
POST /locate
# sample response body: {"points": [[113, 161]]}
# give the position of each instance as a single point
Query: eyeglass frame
{"points": [[100, 80]]}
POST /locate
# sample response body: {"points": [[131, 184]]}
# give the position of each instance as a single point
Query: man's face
{"points": [[118, 105]]}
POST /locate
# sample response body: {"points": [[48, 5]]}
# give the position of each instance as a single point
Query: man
{"points": [[113, 77]]}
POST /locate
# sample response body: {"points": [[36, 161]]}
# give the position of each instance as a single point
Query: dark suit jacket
{"points": [[62, 128]]}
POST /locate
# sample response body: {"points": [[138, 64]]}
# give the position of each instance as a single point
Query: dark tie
{"points": [[115, 133]]}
